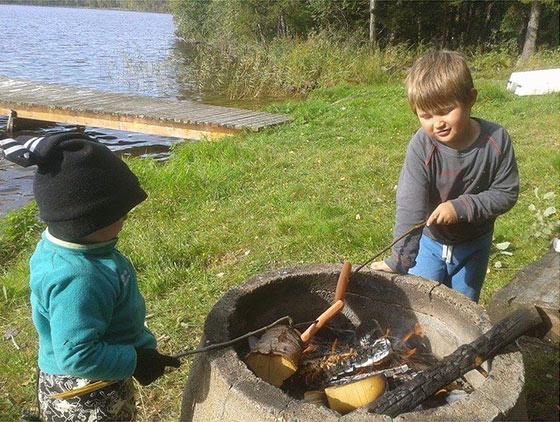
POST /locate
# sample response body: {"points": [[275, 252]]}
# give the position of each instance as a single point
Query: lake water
{"points": [[107, 50]]}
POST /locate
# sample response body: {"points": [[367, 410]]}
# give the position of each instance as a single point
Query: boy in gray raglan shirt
{"points": [[459, 175]]}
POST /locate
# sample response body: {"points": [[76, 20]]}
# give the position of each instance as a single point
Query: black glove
{"points": [[150, 365]]}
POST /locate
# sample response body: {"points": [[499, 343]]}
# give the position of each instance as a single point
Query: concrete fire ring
{"points": [[221, 387]]}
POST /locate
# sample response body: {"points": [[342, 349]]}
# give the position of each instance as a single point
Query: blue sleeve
{"points": [[80, 310]]}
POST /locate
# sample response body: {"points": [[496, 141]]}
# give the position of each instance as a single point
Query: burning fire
{"points": [[347, 359], [336, 360]]}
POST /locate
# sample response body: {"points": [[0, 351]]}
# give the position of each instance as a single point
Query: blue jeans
{"points": [[461, 267]]}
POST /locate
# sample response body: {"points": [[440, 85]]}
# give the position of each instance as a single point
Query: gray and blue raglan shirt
{"points": [[481, 182]]}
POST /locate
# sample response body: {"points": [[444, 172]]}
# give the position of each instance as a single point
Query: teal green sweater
{"points": [[87, 310]]}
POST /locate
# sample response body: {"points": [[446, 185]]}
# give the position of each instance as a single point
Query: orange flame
{"points": [[407, 337], [333, 347], [416, 331], [408, 353]]}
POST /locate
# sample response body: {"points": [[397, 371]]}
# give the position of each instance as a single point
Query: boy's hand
{"points": [[444, 214], [380, 266]]}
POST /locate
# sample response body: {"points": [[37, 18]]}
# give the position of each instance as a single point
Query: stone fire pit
{"points": [[221, 387]]}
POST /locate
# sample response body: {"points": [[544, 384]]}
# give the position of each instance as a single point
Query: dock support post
{"points": [[11, 122], [16, 123]]}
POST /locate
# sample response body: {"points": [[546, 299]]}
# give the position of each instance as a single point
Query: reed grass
{"points": [[288, 67]]}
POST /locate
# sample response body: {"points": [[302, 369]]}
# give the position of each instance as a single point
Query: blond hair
{"points": [[438, 80]]}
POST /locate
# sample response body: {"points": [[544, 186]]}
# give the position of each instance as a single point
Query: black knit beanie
{"points": [[80, 186]]}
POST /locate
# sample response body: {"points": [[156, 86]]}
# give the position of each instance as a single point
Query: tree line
{"points": [[454, 24], [138, 5], [481, 25]]}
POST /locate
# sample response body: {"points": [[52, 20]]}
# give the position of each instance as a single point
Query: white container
{"points": [[536, 82]]}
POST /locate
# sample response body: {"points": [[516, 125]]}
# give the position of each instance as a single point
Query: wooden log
{"points": [[536, 285], [468, 356], [276, 355], [348, 397]]}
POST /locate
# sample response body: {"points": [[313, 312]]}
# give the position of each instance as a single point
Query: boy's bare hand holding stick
{"points": [[444, 214]]}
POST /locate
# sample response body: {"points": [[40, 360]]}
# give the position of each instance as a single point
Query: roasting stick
{"points": [[235, 340], [80, 391]]}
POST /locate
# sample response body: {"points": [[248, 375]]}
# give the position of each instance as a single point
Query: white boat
{"points": [[536, 82]]}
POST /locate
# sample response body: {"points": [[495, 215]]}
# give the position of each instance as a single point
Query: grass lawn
{"points": [[321, 189]]}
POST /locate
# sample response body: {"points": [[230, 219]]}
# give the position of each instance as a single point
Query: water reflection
{"points": [[109, 50]]}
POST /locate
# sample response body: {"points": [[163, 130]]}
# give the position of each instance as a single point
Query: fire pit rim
{"points": [[232, 369]]}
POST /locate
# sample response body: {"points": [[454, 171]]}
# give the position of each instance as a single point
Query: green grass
{"points": [[542, 365], [320, 189]]}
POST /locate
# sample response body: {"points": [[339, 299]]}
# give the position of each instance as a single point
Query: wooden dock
{"points": [[155, 116]]}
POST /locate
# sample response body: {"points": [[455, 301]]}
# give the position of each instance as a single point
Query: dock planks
{"points": [[155, 116]]}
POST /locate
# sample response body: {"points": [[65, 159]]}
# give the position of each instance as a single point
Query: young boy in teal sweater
{"points": [[86, 305], [459, 175]]}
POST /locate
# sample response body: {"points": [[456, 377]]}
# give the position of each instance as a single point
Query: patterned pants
{"points": [[112, 403]]}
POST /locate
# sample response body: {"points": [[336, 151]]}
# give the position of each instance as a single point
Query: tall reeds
{"points": [[294, 67]]}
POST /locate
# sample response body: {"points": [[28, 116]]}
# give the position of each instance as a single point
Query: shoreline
{"points": [[67, 6], [16, 187]]}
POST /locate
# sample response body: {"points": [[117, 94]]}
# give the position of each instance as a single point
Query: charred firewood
{"points": [[469, 356]]}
